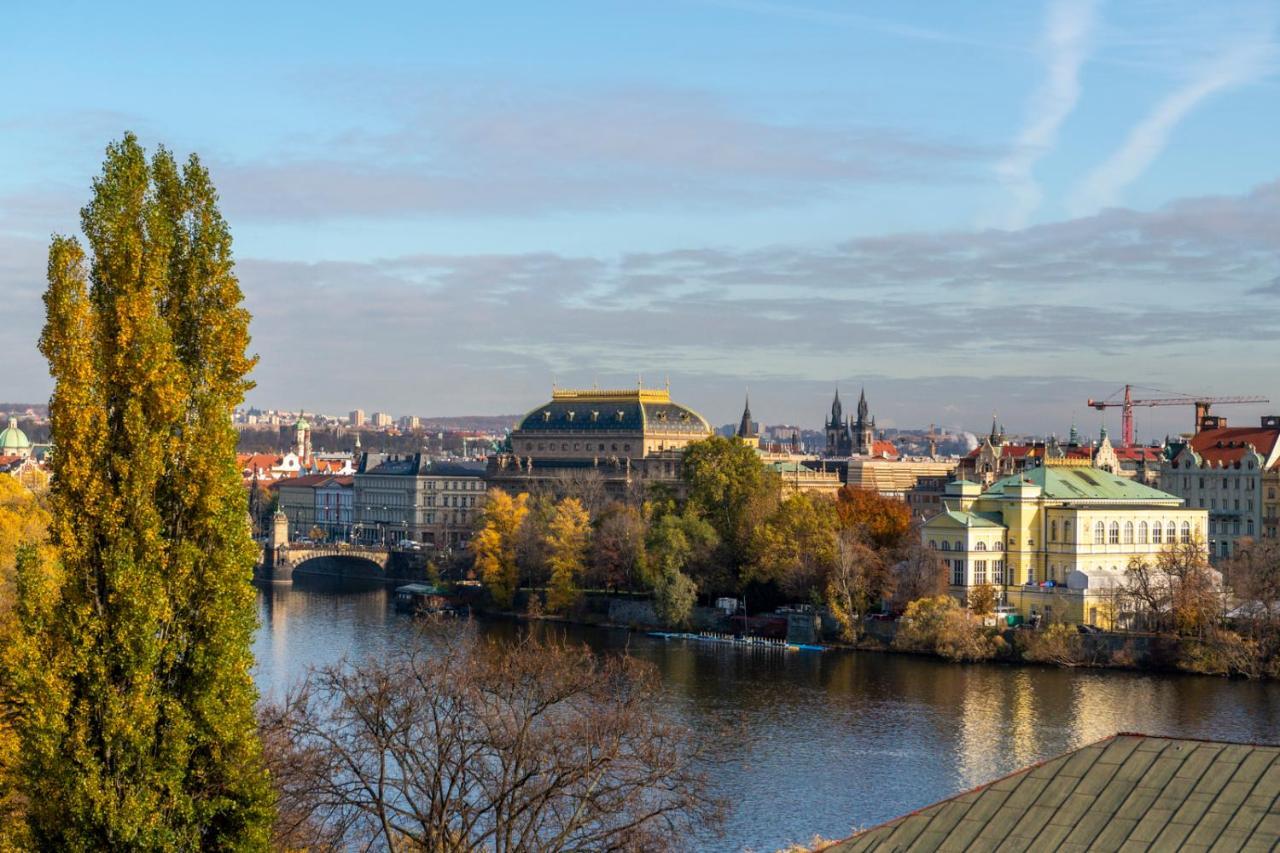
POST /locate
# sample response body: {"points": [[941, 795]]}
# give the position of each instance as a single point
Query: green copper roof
{"points": [[1082, 483], [1128, 792], [968, 519], [13, 439]]}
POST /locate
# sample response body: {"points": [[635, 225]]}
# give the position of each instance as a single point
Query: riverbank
{"points": [[1221, 654]]}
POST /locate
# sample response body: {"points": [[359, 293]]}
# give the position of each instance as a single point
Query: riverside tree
{"points": [[133, 684], [495, 545], [454, 743], [567, 540]]}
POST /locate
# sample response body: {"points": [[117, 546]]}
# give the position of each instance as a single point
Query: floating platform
{"points": [[733, 640]]}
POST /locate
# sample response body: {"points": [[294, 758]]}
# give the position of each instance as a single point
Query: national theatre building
{"points": [[624, 439]]}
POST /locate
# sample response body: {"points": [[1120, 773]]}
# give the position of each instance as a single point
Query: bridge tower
{"points": [[275, 557]]}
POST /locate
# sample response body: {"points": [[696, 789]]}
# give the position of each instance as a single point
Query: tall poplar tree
{"points": [[139, 732]]}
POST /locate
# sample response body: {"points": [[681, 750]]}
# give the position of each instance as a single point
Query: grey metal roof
{"points": [[1130, 792]]}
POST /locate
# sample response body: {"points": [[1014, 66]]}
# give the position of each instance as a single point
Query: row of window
{"points": [[1213, 504], [959, 546], [469, 485], [452, 500], [1104, 534], [1235, 465], [577, 445]]}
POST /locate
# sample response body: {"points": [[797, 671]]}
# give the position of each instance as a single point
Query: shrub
{"points": [[938, 624], [1221, 653], [1058, 644]]}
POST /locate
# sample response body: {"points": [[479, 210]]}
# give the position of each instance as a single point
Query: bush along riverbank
{"points": [[940, 626]]}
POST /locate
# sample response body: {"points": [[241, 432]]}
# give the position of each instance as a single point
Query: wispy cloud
{"points": [[1242, 62], [521, 151], [1066, 45]]}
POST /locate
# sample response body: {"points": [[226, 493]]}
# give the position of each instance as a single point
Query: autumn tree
{"points": [[533, 539], [494, 545], [919, 574], [859, 578], [677, 541], [1253, 573], [24, 523], [733, 490], [618, 556], [883, 522], [1177, 590], [983, 599], [1195, 593], [796, 547], [138, 729], [461, 744], [568, 539]]}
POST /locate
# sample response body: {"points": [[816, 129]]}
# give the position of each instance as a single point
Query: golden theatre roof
{"points": [[634, 410]]}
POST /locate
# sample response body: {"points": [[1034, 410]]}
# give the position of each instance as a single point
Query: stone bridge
{"points": [[279, 563]]}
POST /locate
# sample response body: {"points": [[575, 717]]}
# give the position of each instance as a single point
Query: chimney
{"points": [[1212, 422]]}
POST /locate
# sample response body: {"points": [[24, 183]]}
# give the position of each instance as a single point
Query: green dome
{"points": [[13, 440]]}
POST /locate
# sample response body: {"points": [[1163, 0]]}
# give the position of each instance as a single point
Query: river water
{"points": [[832, 741]]}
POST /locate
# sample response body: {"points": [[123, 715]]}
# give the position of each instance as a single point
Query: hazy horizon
{"points": [[1002, 208]]}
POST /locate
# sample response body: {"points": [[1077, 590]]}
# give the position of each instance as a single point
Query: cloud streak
{"points": [[1239, 64], [517, 152], [1066, 44]]}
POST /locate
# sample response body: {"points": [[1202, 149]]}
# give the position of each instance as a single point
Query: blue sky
{"points": [[440, 208]]}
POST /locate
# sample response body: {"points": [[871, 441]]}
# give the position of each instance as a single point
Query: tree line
{"points": [[735, 534]]}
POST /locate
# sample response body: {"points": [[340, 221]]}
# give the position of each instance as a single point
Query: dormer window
{"points": [[546, 416], [569, 415], [595, 416]]}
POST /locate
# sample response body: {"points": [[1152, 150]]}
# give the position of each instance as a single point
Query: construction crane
{"points": [[1202, 405]]}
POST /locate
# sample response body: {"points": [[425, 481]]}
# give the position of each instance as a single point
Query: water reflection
{"points": [[829, 741]]}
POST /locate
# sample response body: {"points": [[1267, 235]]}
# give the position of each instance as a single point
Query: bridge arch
{"points": [[340, 565]]}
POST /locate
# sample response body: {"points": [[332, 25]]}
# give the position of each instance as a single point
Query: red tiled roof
{"points": [[1228, 445], [1142, 453], [1036, 451], [264, 461], [882, 447]]}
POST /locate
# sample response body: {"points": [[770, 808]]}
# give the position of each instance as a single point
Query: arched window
{"points": [[959, 546], [933, 543], [1113, 535], [1143, 531], [1157, 533], [1053, 530], [1099, 534], [1172, 532], [999, 546], [1128, 533], [981, 546], [946, 546], [1186, 532]]}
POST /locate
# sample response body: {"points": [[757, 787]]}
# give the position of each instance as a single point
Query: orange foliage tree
{"points": [[883, 522]]}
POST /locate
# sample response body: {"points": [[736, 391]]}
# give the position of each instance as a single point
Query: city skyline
{"points": [[964, 210]]}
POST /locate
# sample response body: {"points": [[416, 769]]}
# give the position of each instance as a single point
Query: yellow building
{"points": [[1056, 539]]}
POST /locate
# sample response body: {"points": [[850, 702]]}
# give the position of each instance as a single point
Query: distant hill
{"points": [[472, 423]]}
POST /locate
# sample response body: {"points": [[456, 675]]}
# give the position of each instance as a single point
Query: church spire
{"points": [[863, 408], [746, 429]]}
